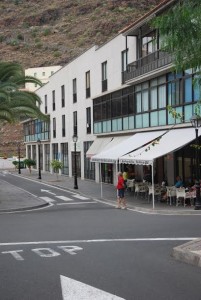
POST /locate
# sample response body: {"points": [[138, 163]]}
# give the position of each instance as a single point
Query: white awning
{"points": [[97, 146], [129, 144], [171, 141]]}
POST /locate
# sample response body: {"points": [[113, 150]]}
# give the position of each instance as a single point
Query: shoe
{"points": [[124, 207], [118, 207]]}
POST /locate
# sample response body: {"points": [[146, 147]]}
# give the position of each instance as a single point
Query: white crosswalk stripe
{"points": [[48, 199], [64, 198], [80, 197]]}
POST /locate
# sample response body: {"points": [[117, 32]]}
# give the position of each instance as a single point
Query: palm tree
{"points": [[15, 102]]}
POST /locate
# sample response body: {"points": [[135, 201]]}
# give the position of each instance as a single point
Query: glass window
{"points": [[145, 100], [145, 120], [188, 90], [154, 118], [125, 123], [124, 60], [138, 103], [162, 96], [138, 120], [188, 112], [131, 122], [153, 99], [162, 117], [179, 110]]}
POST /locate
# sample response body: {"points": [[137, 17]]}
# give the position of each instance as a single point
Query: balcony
{"points": [[147, 64]]}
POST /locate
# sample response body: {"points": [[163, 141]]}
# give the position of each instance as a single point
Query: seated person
{"points": [[179, 182]]}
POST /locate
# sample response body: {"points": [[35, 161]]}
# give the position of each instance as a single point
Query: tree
{"points": [[180, 29], [56, 165], [15, 102], [29, 163]]}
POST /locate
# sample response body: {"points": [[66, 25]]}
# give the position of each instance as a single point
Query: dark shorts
{"points": [[120, 193]]}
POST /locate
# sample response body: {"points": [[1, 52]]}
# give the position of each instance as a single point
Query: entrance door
{"points": [[78, 163]]}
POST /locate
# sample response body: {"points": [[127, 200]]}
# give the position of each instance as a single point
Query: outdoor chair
{"points": [[182, 195], [171, 193]]}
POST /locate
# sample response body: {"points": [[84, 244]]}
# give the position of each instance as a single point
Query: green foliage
{"points": [[29, 162], [57, 54], [15, 163], [15, 102], [180, 29], [56, 165], [47, 31]]}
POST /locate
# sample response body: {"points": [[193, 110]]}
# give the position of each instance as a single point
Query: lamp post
{"points": [[196, 123], [75, 138], [19, 166], [39, 169]]}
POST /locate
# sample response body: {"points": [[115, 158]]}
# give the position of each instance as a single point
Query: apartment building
{"points": [[114, 98]]}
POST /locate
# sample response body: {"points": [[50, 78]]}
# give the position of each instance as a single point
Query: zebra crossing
{"points": [[74, 199]]}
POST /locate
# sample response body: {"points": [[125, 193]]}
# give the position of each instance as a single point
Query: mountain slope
{"points": [[43, 32]]}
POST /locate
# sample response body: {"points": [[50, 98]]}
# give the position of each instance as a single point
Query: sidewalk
{"points": [[107, 192], [16, 199]]}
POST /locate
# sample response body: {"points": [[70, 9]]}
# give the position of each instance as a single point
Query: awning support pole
{"points": [[152, 175], [101, 185]]}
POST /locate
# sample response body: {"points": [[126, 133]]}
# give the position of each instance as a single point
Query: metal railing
{"points": [[146, 64]]}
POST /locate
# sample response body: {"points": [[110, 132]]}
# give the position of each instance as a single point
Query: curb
{"points": [[189, 253], [10, 210]]}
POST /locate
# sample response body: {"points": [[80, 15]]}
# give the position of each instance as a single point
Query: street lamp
{"points": [[19, 166], [196, 123], [75, 138], [39, 169]]}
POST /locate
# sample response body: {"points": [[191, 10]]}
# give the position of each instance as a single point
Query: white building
{"points": [[41, 73], [114, 98], [67, 98]]}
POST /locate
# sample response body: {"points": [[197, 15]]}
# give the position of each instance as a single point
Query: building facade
{"points": [[108, 94]]}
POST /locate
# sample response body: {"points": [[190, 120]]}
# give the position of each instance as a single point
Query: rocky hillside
{"points": [[50, 32]]}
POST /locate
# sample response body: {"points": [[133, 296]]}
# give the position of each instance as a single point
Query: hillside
{"points": [[43, 32]]}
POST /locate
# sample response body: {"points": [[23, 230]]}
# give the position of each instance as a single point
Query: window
{"points": [[45, 104], [149, 44], [88, 92], [104, 76], [62, 96], [54, 127], [75, 123], [124, 55], [53, 100], [74, 90], [88, 119], [63, 126]]}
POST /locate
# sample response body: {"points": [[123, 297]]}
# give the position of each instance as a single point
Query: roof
{"points": [[156, 10]]}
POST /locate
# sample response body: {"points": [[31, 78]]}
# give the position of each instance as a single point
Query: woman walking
{"points": [[121, 201]]}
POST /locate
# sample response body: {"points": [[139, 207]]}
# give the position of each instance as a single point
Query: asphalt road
{"points": [[77, 244]]}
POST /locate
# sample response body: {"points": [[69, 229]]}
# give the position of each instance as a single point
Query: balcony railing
{"points": [[146, 64]]}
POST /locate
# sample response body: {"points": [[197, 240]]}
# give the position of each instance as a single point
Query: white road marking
{"points": [[76, 290], [45, 252], [47, 191], [15, 254], [64, 198], [80, 197], [75, 203], [47, 199], [101, 241]]}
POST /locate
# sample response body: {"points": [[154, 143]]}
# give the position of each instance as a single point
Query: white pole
{"points": [[152, 175], [101, 185]]}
